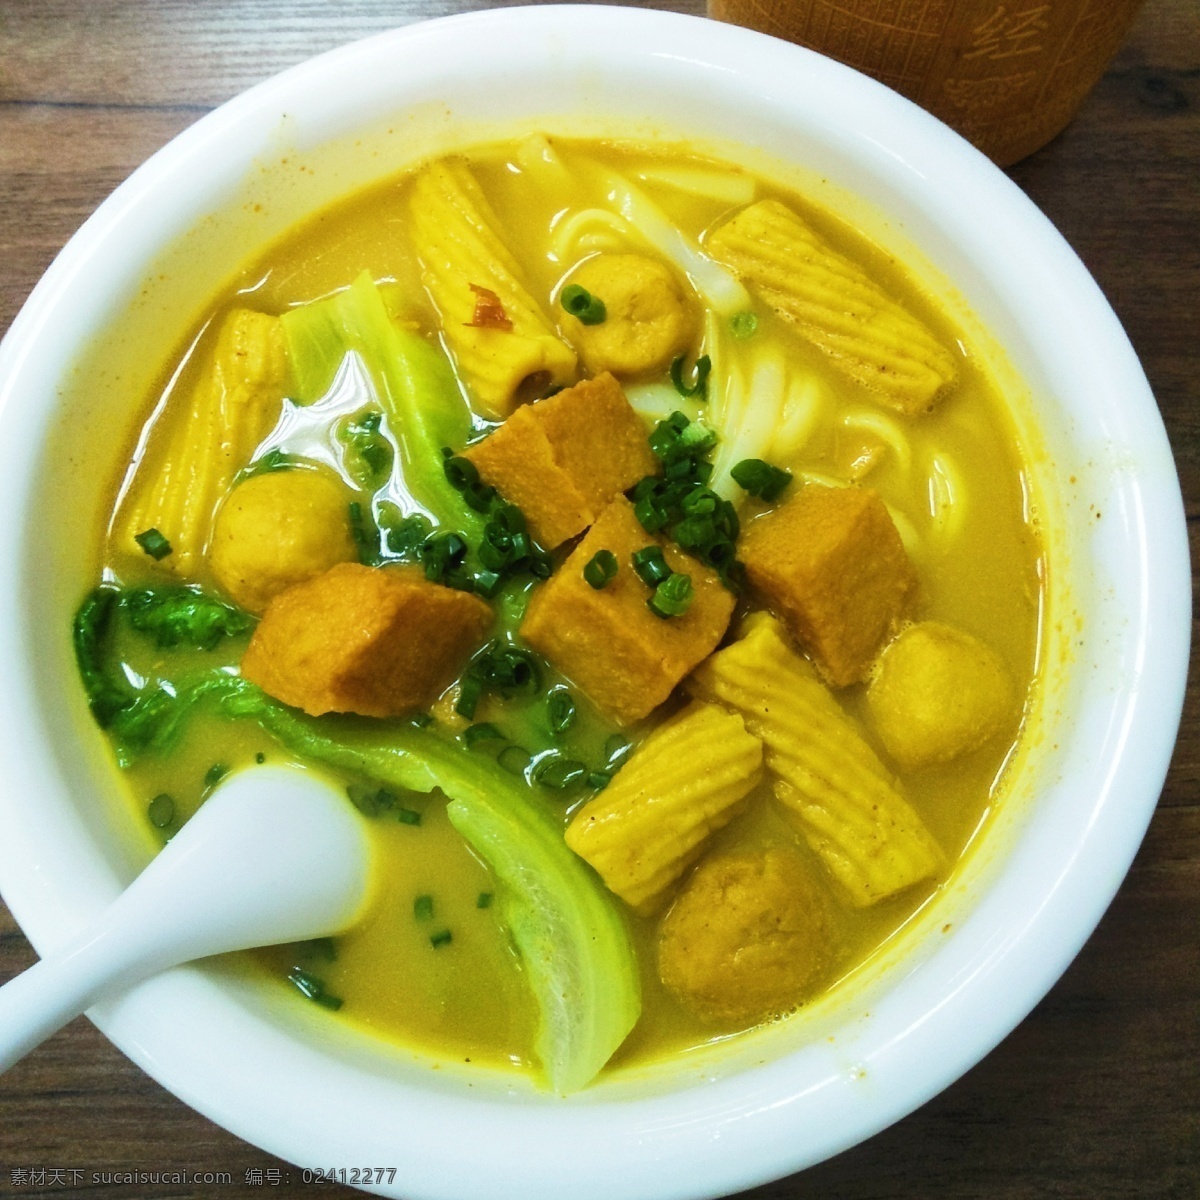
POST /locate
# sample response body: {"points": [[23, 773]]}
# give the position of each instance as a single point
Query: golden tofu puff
{"points": [[185, 475], [504, 346], [607, 640], [562, 460], [750, 937], [848, 806], [682, 784], [836, 306], [937, 693], [647, 319], [278, 529], [831, 563], [368, 640]]}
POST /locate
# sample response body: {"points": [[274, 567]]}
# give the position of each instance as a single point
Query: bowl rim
{"points": [[762, 1123]]}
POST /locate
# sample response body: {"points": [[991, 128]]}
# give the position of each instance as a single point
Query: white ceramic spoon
{"points": [[273, 855]]}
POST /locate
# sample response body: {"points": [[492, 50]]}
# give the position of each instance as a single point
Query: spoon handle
{"points": [[52, 992]]}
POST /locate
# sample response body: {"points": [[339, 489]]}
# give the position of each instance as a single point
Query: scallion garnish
{"points": [[514, 759], [365, 799], [598, 780], [650, 565], [484, 731], [443, 937], [153, 543], [483, 900], [215, 774], [616, 748], [314, 988], [680, 503], [161, 810], [555, 771], [699, 386], [499, 667], [408, 816], [673, 597], [561, 711], [760, 478], [600, 569], [582, 305], [260, 758], [423, 908], [743, 325]]}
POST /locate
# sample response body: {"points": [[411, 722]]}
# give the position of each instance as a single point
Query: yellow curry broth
{"points": [[953, 480]]}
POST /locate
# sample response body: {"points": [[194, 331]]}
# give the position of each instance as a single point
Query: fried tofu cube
{"points": [[561, 460], [937, 693], [366, 640], [608, 641], [831, 563]]}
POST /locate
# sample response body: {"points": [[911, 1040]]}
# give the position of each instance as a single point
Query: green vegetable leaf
{"points": [[412, 378], [178, 615]]}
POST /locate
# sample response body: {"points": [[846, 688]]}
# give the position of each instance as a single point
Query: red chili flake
{"points": [[489, 312]]}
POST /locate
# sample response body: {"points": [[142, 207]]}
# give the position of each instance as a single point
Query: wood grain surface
{"points": [[1097, 1094]]}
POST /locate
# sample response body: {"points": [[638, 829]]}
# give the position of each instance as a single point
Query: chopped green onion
{"points": [[744, 325], [215, 774], [760, 478], [442, 554], [616, 749], [364, 799], [423, 908], [460, 472], [153, 543], [403, 536], [699, 388], [673, 597], [514, 759], [582, 305], [483, 732], [314, 988], [273, 460], [600, 569], [260, 758], [442, 938], [483, 900], [385, 799], [421, 719], [561, 710], [676, 437], [499, 667], [488, 583], [555, 771], [650, 565], [651, 516], [598, 780], [161, 810], [408, 816], [365, 537]]}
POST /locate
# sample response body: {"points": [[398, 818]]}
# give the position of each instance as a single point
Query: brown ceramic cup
{"points": [[1007, 75]]}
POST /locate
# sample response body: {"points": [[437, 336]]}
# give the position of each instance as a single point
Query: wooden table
{"points": [[1097, 1093]]}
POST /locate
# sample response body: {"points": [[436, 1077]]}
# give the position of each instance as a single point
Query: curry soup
{"points": [[645, 556]]}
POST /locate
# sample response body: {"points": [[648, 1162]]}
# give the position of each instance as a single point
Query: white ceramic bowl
{"points": [[1115, 640]]}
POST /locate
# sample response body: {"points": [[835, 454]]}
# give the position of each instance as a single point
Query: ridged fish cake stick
{"points": [[183, 478], [835, 305], [681, 785], [503, 344], [846, 803]]}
